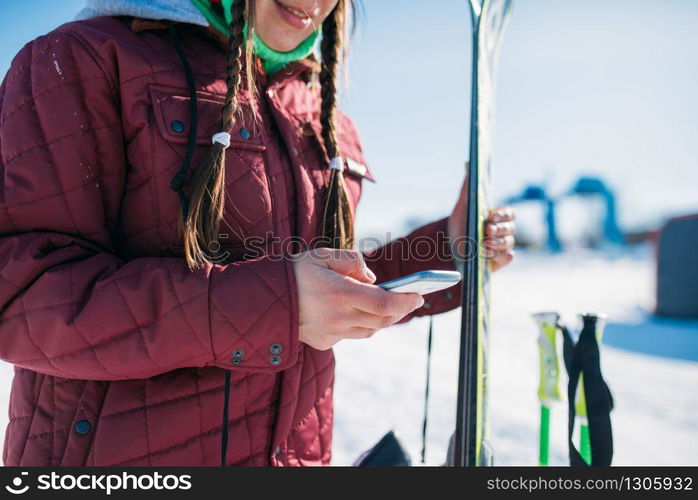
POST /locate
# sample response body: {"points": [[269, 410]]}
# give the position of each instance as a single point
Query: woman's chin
{"points": [[281, 44]]}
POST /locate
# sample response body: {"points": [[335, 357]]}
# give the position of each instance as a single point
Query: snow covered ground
{"points": [[380, 382]]}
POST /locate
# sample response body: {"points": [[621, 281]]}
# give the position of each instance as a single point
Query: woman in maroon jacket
{"points": [[158, 314]]}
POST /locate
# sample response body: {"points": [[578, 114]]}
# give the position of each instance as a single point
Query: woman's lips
{"points": [[293, 16]]}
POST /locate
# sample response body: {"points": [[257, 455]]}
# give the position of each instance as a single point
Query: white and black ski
{"points": [[471, 448]]}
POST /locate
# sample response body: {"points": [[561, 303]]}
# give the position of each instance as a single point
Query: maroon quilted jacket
{"points": [[119, 350]]}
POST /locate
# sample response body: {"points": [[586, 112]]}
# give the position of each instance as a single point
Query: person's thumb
{"points": [[350, 263]]}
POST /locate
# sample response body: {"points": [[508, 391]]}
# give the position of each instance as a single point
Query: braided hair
{"points": [[337, 218], [199, 226], [207, 186]]}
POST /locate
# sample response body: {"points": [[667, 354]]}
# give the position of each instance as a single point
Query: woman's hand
{"points": [[338, 301], [499, 231], [499, 236]]}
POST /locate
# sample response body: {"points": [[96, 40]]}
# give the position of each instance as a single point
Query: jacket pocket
{"points": [[248, 202], [172, 110]]}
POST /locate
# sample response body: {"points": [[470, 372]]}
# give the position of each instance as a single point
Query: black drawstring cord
{"points": [[224, 433], [426, 391], [177, 183]]}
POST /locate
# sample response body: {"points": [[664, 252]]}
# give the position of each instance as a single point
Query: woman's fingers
{"points": [[358, 324], [358, 332], [502, 214], [347, 262], [375, 300], [336, 302], [504, 243], [500, 229], [363, 319]]}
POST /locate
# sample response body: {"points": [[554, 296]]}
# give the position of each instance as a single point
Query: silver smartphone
{"points": [[422, 282]]}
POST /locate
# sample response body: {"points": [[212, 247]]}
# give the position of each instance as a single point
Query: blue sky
{"points": [[585, 86]]}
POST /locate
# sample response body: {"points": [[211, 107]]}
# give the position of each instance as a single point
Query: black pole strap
{"points": [[584, 359], [224, 430]]}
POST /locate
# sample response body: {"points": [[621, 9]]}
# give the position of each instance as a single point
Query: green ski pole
{"points": [[580, 400], [549, 377]]}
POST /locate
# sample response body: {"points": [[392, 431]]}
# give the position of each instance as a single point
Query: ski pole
{"points": [[580, 400], [549, 377]]}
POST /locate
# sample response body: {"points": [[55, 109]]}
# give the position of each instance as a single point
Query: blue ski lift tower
{"points": [[594, 186]]}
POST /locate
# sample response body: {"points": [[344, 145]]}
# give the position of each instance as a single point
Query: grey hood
{"points": [[171, 10]]}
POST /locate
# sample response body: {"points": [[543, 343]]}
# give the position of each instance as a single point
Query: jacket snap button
{"points": [[82, 427], [236, 361], [427, 305], [178, 126], [448, 295], [275, 348], [244, 133], [238, 353], [275, 360]]}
